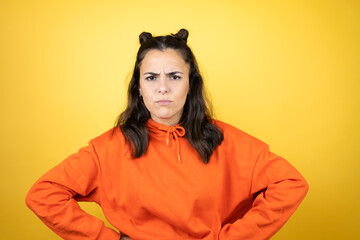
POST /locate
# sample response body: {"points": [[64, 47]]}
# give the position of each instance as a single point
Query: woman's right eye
{"points": [[150, 78]]}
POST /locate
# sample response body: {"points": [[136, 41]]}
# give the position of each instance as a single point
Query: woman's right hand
{"points": [[124, 237]]}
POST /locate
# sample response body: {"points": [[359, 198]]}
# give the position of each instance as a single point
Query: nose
{"points": [[163, 84]]}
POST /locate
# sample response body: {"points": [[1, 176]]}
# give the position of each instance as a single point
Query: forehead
{"points": [[169, 59]]}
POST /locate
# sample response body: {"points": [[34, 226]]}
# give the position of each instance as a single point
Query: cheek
{"points": [[185, 91], [182, 97], [147, 101], [146, 91]]}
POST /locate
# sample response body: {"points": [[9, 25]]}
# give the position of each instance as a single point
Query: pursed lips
{"points": [[163, 102]]}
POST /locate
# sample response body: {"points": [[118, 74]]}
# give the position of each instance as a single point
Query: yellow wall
{"points": [[285, 71]]}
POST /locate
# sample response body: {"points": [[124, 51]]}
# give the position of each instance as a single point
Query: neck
{"points": [[166, 122]]}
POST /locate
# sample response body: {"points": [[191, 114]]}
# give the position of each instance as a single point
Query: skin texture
{"points": [[164, 85]]}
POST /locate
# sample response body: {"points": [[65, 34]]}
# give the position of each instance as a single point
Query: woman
{"points": [[168, 170]]}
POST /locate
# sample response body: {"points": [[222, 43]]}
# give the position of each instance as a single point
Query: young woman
{"points": [[168, 170]]}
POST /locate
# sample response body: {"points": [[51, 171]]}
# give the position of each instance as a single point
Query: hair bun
{"points": [[144, 36], [182, 34]]}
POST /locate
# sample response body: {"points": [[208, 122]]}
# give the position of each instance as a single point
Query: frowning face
{"points": [[164, 85]]}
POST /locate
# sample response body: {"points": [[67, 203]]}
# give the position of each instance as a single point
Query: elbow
{"points": [[46, 198], [30, 199], [302, 188], [305, 187], [38, 197]]}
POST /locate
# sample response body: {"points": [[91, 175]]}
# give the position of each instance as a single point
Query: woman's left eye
{"points": [[175, 77]]}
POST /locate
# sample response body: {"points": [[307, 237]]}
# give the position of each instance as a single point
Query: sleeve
{"points": [[53, 198], [277, 189]]}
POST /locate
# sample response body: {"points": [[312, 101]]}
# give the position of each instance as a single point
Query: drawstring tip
{"points": [[179, 158]]}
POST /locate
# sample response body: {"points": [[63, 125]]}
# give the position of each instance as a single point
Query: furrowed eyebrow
{"points": [[152, 73], [170, 73], [173, 73]]}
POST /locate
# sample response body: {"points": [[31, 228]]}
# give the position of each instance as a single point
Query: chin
{"points": [[164, 115]]}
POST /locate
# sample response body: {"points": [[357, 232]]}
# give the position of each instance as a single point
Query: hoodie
{"points": [[244, 192]]}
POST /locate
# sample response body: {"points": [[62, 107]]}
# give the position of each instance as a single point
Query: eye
{"points": [[150, 78], [175, 77]]}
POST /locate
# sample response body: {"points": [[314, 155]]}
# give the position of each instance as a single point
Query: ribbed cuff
{"points": [[108, 234]]}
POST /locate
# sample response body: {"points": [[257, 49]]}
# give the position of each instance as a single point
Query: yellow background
{"points": [[286, 72]]}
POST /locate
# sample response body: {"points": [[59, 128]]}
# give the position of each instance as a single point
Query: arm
{"points": [[277, 190], [52, 198]]}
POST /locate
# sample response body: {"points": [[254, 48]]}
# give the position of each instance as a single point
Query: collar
{"points": [[176, 131]]}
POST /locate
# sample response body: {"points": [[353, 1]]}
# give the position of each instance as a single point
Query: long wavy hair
{"points": [[196, 118]]}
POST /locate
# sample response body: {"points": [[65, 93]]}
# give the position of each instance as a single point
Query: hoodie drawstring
{"points": [[176, 131]]}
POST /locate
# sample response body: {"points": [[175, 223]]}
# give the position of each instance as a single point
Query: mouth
{"points": [[163, 102]]}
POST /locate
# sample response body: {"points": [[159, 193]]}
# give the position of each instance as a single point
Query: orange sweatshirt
{"points": [[244, 192]]}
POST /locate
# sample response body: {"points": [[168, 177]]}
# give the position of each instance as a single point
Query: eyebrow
{"points": [[170, 73]]}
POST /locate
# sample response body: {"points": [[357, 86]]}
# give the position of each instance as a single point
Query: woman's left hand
{"points": [[124, 237]]}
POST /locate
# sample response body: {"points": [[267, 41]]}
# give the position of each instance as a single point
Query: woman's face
{"points": [[164, 85]]}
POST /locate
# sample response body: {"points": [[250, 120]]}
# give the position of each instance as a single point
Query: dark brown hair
{"points": [[201, 133]]}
